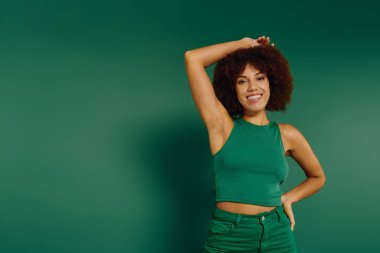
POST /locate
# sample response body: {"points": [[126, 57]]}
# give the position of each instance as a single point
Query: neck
{"points": [[258, 118]]}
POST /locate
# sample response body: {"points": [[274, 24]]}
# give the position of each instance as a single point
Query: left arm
{"points": [[302, 153]]}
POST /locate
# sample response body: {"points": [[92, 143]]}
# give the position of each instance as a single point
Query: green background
{"points": [[103, 150]]}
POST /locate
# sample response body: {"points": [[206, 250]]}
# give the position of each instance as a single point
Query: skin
{"points": [[219, 123]]}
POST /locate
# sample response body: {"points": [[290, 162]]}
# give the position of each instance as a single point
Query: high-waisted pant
{"points": [[258, 233]]}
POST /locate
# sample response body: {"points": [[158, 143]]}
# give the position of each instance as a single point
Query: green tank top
{"points": [[251, 165]]}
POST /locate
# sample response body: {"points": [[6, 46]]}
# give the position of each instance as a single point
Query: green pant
{"points": [[263, 232]]}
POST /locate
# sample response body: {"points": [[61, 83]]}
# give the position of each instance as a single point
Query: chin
{"points": [[255, 107]]}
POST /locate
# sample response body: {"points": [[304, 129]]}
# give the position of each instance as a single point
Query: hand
{"points": [[260, 41], [289, 212]]}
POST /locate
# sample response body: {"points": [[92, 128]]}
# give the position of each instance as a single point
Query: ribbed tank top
{"points": [[251, 165]]}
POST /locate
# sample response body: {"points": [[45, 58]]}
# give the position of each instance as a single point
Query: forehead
{"points": [[250, 70]]}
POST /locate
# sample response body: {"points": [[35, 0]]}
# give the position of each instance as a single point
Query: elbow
{"points": [[323, 180], [188, 55]]}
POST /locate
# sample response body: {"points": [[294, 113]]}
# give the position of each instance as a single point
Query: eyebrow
{"points": [[255, 74]]}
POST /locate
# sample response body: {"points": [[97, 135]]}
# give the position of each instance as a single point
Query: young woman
{"points": [[248, 150]]}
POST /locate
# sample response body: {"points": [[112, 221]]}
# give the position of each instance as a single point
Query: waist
{"points": [[218, 213], [243, 208]]}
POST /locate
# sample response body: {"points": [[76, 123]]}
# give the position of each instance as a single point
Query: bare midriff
{"points": [[243, 208]]}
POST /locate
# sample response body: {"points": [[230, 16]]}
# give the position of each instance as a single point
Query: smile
{"points": [[254, 98]]}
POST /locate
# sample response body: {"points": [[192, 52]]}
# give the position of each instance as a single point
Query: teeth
{"points": [[254, 97]]}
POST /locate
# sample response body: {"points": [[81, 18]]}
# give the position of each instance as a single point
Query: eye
{"points": [[262, 78], [240, 81]]}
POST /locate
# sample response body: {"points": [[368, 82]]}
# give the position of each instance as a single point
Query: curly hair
{"points": [[265, 58]]}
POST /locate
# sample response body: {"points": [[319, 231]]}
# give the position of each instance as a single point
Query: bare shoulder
{"points": [[296, 141], [288, 130], [289, 135]]}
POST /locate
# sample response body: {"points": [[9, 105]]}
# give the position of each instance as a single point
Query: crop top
{"points": [[251, 165]]}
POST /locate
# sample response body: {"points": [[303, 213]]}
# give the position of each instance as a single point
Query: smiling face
{"points": [[248, 84]]}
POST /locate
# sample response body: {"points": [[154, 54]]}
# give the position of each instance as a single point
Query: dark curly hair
{"points": [[266, 58]]}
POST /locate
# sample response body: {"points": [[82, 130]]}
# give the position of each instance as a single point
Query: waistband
{"points": [[249, 218]]}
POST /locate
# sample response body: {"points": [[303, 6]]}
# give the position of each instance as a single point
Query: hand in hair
{"points": [[259, 41]]}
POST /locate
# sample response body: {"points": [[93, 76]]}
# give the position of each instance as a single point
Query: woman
{"points": [[249, 151]]}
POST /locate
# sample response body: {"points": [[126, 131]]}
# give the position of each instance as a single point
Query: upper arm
{"points": [[302, 153], [210, 108]]}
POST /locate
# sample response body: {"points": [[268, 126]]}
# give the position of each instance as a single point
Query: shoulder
{"points": [[288, 128], [290, 132], [293, 136]]}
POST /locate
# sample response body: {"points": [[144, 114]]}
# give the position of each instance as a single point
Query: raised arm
{"points": [[210, 108]]}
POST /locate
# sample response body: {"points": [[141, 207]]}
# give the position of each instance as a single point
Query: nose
{"points": [[252, 86]]}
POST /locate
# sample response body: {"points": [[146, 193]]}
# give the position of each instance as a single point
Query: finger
{"points": [[289, 212]]}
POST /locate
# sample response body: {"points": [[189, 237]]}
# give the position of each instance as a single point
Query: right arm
{"points": [[212, 112]]}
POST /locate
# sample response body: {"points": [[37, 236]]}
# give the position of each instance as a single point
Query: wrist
{"points": [[245, 42], [285, 198]]}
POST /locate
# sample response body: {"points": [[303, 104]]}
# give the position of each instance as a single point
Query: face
{"points": [[249, 83]]}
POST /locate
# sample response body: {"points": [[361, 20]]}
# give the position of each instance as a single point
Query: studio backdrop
{"points": [[103, 149]]}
